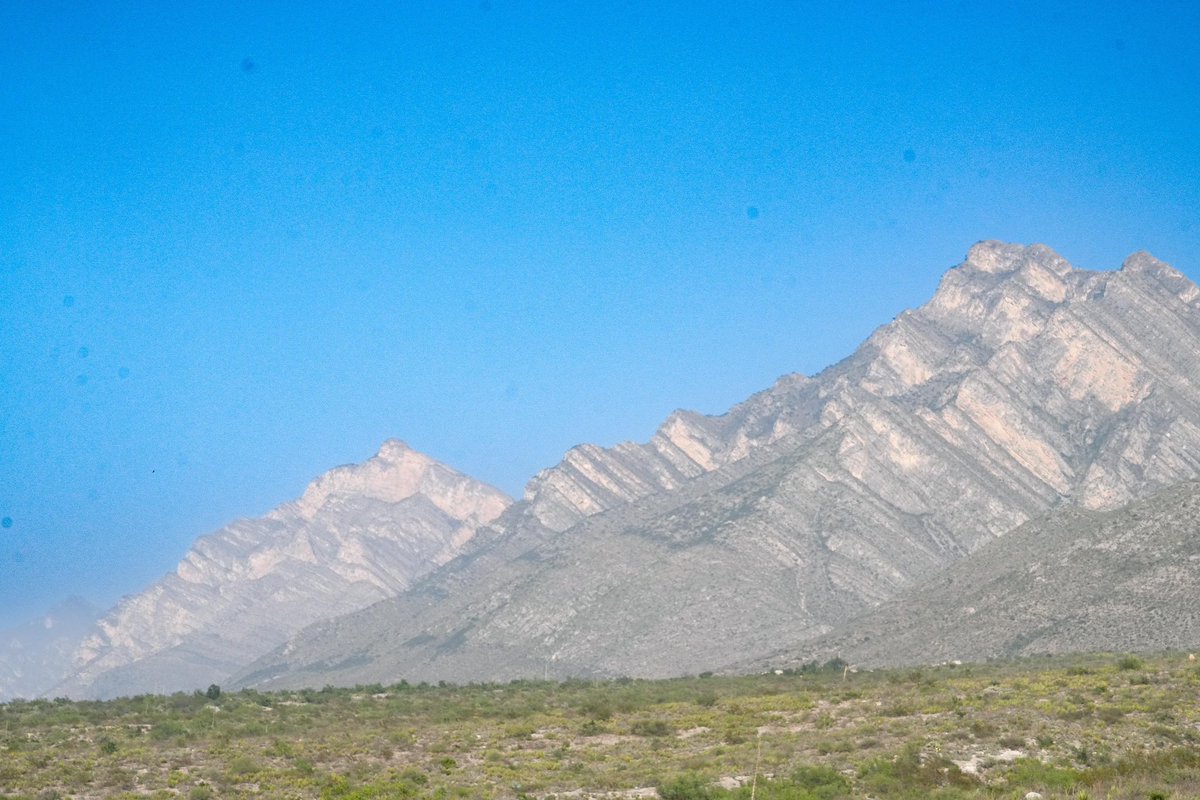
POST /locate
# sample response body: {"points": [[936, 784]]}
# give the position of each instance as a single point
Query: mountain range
{"points": [[1023, 385], [1026, 399]]}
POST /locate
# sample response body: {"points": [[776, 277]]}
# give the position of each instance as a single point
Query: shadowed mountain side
{"points": [[1071, 581], [1022, 385]]}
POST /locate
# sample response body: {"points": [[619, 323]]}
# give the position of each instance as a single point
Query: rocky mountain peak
{"points": [[395, 473], [1142, 261], [395, 450], [995, 257], [358, 534]]}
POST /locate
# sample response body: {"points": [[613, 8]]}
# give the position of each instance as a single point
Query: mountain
{"points": [[358, 534], [35, 655], [1074, 580], [1023, 385]]}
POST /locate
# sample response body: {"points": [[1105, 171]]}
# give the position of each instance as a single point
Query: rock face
{"points": [[358, 534], [1072, 581], [1024, 384], [34, 656]]}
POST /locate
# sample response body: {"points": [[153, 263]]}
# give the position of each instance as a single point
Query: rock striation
{"points": [[358, 534], [1023, 385], [1075, 580]]}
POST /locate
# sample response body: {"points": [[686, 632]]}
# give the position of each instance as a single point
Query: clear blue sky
{"points": [[241, 244]]}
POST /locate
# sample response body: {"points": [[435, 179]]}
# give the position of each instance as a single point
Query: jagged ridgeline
{"points": [[1023, 385]]}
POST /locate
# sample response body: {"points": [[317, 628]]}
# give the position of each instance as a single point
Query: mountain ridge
{"points": [[1023, 384]]}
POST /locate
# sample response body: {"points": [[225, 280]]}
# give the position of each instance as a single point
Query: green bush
{"points": [[823, 783], [689, 787], [1029, 773], [651, 727]]}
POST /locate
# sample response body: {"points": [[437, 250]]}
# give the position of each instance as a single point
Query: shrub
{"points": [[240, 766], [651, 727], [822, 783], [1029, 773], [597, 708], [687, 787]]}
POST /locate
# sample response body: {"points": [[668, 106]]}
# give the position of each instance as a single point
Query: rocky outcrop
{"points": [[1024, 384], [593, 479], [1074, 580], [358, 534]]}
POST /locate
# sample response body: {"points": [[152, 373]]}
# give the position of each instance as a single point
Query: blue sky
{"points": [[243, 243]]}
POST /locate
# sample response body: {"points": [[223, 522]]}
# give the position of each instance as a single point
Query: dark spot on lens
{"points": [[6, 522], [123, 373], [752, 212], [248, 65], [83, 352], [910, 155], [68, 301]]}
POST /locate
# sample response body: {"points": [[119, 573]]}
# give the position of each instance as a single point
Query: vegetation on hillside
{"points": [[1086, 727]]}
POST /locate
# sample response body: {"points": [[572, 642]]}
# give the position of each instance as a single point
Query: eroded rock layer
{"points": [[1072, 581]]}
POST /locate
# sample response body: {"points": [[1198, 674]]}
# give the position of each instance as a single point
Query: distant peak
{"points": [[1142, 261], [395, 473], [996, 257], [393, 449], [993, 256]]}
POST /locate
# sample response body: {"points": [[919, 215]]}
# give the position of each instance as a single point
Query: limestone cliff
{"points": [[358, 534]]}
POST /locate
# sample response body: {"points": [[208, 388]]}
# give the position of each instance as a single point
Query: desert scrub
{"points": [[544, 738]]}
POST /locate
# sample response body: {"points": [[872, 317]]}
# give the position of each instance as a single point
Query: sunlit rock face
{"points": [[358, 534], [1024, 384]]}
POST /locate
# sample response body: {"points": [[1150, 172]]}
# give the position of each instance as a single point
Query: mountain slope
{"points": [[358, 534], [1074, 580], [1022, 385]]}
